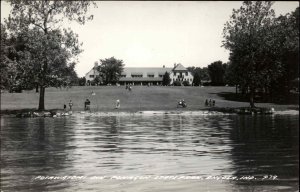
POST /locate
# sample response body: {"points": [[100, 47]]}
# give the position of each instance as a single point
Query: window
{"points": [[152, 76], [92, 76], [161, 75], [186, 73], [123, 75], [174, 73], [136, 76]]}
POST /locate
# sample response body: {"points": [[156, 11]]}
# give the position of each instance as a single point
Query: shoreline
{"points": [[27, 113]]}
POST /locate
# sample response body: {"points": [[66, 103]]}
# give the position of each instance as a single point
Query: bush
{"points": [[177, 83], [82, 81], [186, 83], [16, 89], [206, 84]]}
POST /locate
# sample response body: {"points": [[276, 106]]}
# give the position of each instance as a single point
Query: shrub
{"points": [[177, 83], [186, 83]]}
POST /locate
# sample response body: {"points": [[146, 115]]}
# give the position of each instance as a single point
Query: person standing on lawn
{"points": [[117, 104], [206, 102], [87, 104]]}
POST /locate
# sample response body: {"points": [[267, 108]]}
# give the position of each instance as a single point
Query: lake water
{"points": [[137, 152]]}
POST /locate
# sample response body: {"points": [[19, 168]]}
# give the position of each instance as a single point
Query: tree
{"points": [[97, 80], [191, 69], [286, 30], [166, 79], [82, 81], [110, 70], [50, 52], [216, 72], [11, 72], [249, 37], [202, 74], [196, 80]]}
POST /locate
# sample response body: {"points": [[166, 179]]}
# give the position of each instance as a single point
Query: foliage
{"points": [[97, 80], [216, 72], [204, 75], [48, 54], [252, 39], [177, 83], [73, 77], [110, 70], [166, 79], [186, 83], [286, 29], [82, 81], [196, 80], [200, 74], [230, 78]]}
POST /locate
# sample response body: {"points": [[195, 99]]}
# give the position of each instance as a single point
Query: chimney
{"points": [[163, 66]]}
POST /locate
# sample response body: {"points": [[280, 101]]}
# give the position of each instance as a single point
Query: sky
{"points": [[156, 33]]}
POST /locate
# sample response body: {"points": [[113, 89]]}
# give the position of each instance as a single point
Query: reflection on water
{"points": [[150, 145]]}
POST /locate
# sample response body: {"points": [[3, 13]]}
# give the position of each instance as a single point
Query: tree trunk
{"points": [[252, 93], [42, 98], [236, 89], [37, 88]]}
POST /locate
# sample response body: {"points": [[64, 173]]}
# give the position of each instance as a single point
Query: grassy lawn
{"points": [[140, 98]]}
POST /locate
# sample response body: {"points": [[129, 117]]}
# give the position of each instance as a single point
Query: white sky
{"points": [[156, 33]]}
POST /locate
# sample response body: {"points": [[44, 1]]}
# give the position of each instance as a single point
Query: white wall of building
{"points": [[180, 75], [91, 75], [186, 76]]}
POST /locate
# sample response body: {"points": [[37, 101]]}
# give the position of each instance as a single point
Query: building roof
{"points": [[93, 69], [147, 70], [179, 67], [139, 79]]}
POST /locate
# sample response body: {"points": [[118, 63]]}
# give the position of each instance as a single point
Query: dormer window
{"points": [[136, 76]]}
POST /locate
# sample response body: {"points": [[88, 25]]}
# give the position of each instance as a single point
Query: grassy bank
{"points": [[141, 98]]}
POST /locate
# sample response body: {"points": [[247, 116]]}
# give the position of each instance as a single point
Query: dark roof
{"points": [[148, 70], [179, 67], [139, 79]]}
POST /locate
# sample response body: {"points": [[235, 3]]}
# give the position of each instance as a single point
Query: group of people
{"points": [[87, 105], [181, 103], [128, 87], [210, 103], [70, 106]]}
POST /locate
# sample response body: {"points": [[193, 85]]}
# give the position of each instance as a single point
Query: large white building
{"points": [[147, 75]]}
